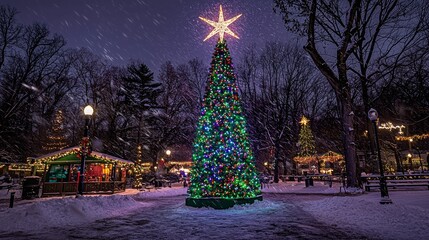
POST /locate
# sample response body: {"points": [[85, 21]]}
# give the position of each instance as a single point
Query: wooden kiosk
{"points": [[103, 173]]}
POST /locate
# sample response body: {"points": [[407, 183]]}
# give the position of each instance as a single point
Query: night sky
{"points": [[153, 31]]}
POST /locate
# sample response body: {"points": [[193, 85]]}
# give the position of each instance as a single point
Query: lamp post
{"points": [[410, 161], [267, 166], [168, 153], [373, 116], [420, 159], [427, 160], [410, 142], [88, 111], [167, 164]]}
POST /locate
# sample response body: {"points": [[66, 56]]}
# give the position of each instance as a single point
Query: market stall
{"points": [[327, 163], [103, 173]]}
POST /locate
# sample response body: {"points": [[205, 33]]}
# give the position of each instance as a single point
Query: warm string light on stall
{"points": [[75, 151], [327, 157], [415, 137]]}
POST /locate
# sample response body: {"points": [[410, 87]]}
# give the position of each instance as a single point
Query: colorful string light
{"points": [[223, 161]]}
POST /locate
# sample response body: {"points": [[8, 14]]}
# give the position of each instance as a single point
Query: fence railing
{"points": [[68, 188]]}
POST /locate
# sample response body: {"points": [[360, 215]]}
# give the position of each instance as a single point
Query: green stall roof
{"points": [[73, 158], [69, 156]]}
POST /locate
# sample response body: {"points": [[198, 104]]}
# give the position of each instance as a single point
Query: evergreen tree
{"points": [[140, 89], [223, 163], [140, 93], [56, 135]]}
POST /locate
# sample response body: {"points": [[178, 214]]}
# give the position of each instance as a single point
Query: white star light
{"points": [[221, 26], [304, 120]]}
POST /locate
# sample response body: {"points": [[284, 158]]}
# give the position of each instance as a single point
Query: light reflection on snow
{"points": [[257, 207]]}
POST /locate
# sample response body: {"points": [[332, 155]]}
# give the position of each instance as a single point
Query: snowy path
{"points": [[289, 211], [277, 217]]}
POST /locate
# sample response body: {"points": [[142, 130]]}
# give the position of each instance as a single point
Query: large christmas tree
{"points": [[223, 172]]}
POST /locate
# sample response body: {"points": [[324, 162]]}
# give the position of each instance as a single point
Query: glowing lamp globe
{"points": [[88, 110], [372, 114]]}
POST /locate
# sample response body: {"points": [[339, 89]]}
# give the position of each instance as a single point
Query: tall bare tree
{"points": [[9, 32], [34, 66], [275, 85], [342, 34]]}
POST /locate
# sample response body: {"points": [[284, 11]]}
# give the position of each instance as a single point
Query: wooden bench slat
{"points": [[398, 183]]}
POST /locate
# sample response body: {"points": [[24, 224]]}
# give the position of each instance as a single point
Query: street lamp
{"points": [[267, 167], [420, 159], [167, 164], [373, 116], [88, 111], [410, 161], [410, 142]]}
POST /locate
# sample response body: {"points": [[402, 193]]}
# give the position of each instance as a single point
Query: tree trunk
{"points": [[399, 167], [339, 83], [349, 139], [285, 166], [276, 161]]}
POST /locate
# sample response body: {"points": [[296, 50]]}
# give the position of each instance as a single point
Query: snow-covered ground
{"points": [[406, 218], [68, 211], [289, 211]]}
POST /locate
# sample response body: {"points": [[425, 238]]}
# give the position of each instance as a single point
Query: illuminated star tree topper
{"points": [[304, 120], [221, 26]]}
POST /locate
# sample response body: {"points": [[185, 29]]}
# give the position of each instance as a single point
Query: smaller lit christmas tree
{"points": [[56, 135], [306, 140], [306, 143]]}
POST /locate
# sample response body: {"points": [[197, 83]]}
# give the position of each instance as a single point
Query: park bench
{"points": [[265, 182], [395, 183], [6, 186], [155, 183]]}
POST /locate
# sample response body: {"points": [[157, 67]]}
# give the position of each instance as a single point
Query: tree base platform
{"points": [[219, 203]]}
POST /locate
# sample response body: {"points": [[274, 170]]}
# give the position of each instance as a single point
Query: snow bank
{"points": [[65, 212], [393, 221], [162, 192], [5, 194]]}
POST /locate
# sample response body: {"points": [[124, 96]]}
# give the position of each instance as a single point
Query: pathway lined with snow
{"points": [[289, 211], [166, 217]]}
